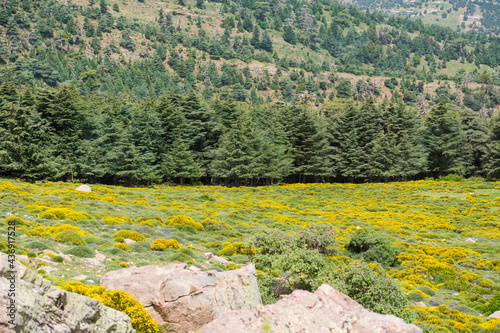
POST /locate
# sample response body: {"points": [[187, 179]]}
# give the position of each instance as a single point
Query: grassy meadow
{"points": [[447, 233]]}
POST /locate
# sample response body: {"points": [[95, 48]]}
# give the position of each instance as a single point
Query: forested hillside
{"points": [[140, 92], [464, 15]]}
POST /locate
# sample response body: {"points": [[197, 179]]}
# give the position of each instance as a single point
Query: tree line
{"points": [[57, 134]]}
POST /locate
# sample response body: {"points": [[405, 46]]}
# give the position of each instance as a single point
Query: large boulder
{"points": [[83, 188], [183, 299], [41, 307], [327, 310]]}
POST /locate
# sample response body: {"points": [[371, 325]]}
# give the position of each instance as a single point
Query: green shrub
{"points": [[112, 267], [37, 245], [112, 250], [179, 256], [301, 267], [119, 239], [493, 304], [186, 228], [451, 178], [81, 251], [373, 247], [31, 254], [426, 290], [58, 259], [434, 301], [415, 296], [139, 247], [378, 293]]}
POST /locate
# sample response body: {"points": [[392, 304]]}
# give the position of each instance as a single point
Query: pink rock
{"points": [[327, 310], [186, 300]]}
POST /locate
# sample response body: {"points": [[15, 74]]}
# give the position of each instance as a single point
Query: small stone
{"points": [[470, 240], [48, 251], [83, 188], [99, 256], [422, 304], [129, 241], [208, 255], [23, 236]]}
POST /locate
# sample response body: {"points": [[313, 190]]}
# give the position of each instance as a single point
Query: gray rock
{"points": [[327, 310], [495, 315], [93, 262], [43, 308], [186, 300], [83, 188]]}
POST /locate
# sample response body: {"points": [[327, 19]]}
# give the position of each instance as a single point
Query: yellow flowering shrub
{"points": [[237, 248], [60, 232], [134, 235], [69, 236], [17, 221], [115, 220], [121, 246], [120, 300], [162, 244], [214, 225], [185, 220], [64, 213], [151, 221]]}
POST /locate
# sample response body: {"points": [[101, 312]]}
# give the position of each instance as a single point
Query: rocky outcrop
{"points": [[495, 315], [327, 310], [41, 307], [183, 299]]}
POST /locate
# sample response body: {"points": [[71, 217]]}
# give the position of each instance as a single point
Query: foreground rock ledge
{"points": [[327, 310], [42, 307], [185, 300]]}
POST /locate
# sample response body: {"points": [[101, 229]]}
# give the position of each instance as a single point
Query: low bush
{"points": [[376, 292], [69, 236], [134, 235], [16, 221], [139, 247], [37, 245], [415, 296], [184, 220], [373, 247], [162, 244], [426, 290], [81, 251], [58, 259], [213, 225], [121, 246]]}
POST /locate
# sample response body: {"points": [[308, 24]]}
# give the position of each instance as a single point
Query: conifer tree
{"points": [[233, 159], [492, 158], [180, 163], [309, 145], [445, 141], [266, 43]]}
